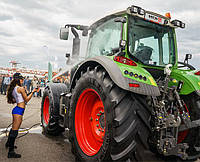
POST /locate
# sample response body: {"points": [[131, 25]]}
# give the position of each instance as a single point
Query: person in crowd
{"points": [[2, 82], [28, 84], [16, 94], [25, 82], [6, 83], [34, 85], [39, 84]]}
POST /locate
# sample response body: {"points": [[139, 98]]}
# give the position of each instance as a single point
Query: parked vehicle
{"points": [[130, 94]]}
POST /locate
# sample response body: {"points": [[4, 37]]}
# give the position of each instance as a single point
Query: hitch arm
{"points": [[190, 124]]}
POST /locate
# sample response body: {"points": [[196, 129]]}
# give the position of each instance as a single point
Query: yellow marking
{"points": [[160, 117], [65, 111], [199, 83], [152, 81], [174, 81]]}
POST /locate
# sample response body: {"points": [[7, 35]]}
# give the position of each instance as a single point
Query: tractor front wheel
{"points": [[50, 108]]}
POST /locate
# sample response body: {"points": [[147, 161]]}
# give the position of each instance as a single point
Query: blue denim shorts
{"points": [[18, 110]]}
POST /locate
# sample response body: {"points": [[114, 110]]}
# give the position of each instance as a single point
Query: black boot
{"points": [[8, 141], [7, 145], [11, 153]]}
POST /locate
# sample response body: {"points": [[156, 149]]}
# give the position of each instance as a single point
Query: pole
{"points": [[49, 65]]}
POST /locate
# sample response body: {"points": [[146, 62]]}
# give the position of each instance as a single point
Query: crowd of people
{"points": [[29, 84]]}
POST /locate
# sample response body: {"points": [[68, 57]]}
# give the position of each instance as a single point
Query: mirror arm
{"points": [[74, 32]]}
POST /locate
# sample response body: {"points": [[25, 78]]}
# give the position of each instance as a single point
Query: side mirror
{"points": [[64, 33], [187, 57]]}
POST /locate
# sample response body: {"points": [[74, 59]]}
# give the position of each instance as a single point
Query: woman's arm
{"points": [[24, 95]]}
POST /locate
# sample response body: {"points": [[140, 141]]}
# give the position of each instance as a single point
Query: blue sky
{"points": [[29, 30]]}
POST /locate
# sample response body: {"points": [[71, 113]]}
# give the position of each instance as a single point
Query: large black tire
{"points": [[192, 102], [126, 119], [50, 108]]}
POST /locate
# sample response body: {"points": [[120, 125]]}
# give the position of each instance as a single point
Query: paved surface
{"points": [[35, 146]]}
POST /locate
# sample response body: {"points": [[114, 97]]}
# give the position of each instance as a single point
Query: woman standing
{"points": [[16, 94]]}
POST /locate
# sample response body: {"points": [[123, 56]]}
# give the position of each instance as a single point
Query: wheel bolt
{"points": [[99, 129], [91, 119], [96, 119], [98, 114], [102, 130], [97, 125]]}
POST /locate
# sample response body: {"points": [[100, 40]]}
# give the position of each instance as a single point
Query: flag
{"points": [[49, 72]]}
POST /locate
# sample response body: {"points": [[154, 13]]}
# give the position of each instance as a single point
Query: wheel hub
{"points": [[90, 122], [101, 121], [46, 110]]}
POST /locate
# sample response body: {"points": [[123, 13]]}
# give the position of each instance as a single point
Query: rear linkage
{"points": [[169, 117]]}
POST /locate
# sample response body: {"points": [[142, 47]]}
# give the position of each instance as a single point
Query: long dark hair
{"points": [[10, 98]]}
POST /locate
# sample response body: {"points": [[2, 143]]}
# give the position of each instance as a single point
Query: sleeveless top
{"points": [[18, 96]]}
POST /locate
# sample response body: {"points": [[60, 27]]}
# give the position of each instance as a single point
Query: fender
{"points": [[191, 82], [116, 75]]}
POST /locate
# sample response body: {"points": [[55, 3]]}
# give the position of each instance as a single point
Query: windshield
{"points": [[151, 43]]}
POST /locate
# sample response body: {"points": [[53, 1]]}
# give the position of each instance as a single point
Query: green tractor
{"points": [[130, 94]]}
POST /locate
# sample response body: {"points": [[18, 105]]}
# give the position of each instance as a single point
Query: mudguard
{"points": [[116, 73], [191, 82]]}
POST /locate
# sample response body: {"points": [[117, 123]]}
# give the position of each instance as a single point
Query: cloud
{"points": [[6, 34], [27, 26], [5, 17]]}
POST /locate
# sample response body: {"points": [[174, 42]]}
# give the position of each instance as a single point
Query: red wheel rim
{"points": [[182, 135], [90, 122], [46, 110]]}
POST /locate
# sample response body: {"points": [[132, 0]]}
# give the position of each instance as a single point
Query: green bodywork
{"points": [[139, 70], [191, 82], [162, 40]]}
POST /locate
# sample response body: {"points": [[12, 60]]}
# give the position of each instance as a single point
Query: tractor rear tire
{"points": [[50, 108], [192, 102], [107, 122]]}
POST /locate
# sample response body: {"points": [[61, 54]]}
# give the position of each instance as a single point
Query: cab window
{"points": [[104, 38]]}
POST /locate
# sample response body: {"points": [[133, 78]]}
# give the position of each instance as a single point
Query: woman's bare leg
{"points": [[17, 120]]}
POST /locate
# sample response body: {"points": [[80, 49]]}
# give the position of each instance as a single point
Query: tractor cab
{"points": [[143, 36]]}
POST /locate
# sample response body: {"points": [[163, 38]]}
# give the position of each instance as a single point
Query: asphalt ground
{"points": [[34, 146]]}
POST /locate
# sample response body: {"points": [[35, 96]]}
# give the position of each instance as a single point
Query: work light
{"points": [[141, 11], [183, 25], [178, 23], [134, 9], [137, 10]]}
